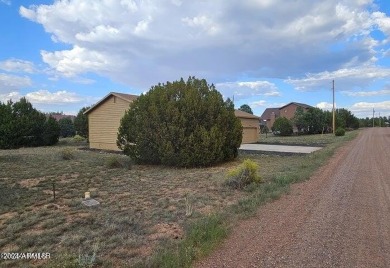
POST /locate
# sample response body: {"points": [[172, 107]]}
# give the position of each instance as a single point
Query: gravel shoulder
{"points": [[338, 218]]}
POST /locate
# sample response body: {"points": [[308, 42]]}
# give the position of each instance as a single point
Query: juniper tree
{"points": [[180, 123]]}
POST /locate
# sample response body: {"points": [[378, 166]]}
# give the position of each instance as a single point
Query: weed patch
{"points": [[67, 154], [243, 175]]}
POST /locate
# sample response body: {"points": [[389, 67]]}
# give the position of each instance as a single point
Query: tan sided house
{"points": [[104, 120], [250, 126]]}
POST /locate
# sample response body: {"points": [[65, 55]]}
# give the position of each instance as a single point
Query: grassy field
{"points": [[310, 140], [148, 215]]}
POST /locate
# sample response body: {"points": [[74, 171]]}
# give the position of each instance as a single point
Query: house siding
{"points": [[104, 122], [250, 130]]}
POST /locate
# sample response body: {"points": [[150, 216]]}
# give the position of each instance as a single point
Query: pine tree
{"points": [[81, 123], [51, 132], [66, 127]]}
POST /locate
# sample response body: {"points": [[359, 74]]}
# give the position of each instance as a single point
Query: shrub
{"points": [[282, 126], [67, 154], [243, 175], [340, 132], [181, 123], [78, 138], [115, 162]]}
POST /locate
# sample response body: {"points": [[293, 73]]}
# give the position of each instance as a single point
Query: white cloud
{"points": [[141, 43], [382, 92], [242, 90], [14, 96], [260, 103], [59, 97], [70, 63], [344, 78], [45, 100], [364, 109], [325, 105], [16, 65], [203, 22], [10, 83]]}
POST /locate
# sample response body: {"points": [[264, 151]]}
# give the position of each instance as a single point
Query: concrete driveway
{"points": [[278, 148]]}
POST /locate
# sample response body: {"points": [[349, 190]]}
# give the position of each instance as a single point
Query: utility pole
{"points": [[334, 115], [379, 119], [373, 113]]}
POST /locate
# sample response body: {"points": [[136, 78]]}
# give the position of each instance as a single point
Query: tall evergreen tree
{"points": [[81, 123], [66, 127], [51, 131]]}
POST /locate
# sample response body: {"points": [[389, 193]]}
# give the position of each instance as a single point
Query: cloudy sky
{"points": [[63, 55]]}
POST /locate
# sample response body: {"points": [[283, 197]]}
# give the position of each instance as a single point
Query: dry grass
{"points": [[140, 208]]}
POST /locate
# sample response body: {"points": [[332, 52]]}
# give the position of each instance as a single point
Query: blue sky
{"points": [[63, 55]]}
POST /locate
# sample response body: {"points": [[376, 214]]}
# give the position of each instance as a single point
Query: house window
{"points": [[114, 99]]}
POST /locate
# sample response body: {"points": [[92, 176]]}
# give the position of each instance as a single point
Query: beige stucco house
{"points": [[104, 120]]}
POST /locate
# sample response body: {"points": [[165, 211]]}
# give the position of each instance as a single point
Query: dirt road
{"points": [[339, 218]]}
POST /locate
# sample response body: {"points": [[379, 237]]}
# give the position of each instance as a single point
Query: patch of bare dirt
{"points": [[339, 218], [28, 183], [6, 216], [166, 230]]}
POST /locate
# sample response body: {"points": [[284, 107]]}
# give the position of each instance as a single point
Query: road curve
{"points": [[338, 218]]}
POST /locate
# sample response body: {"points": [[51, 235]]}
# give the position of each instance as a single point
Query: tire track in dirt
{"points": [[339, 218]]}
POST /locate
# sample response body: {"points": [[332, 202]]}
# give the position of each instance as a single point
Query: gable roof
{"points": [[297, 104], [267, 113], [242, 114], [126, 97]]}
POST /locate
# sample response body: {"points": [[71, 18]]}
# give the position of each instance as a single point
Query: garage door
{"points": [[250, 135]]}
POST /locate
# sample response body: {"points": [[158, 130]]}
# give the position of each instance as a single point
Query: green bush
{"points": [[282, 126], [243, 175], [113, 162], [181, 123], [78, 138], [340, 132]]}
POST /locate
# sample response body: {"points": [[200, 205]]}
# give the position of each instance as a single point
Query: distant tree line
{"points": [[315, 121], [381, 121]]}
